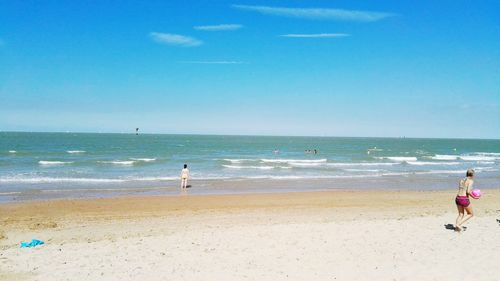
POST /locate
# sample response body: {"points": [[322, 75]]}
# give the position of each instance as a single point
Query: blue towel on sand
{"points": [[33, 243]]}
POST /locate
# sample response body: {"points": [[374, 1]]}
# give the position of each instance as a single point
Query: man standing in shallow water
{"points": [[184, 177]]}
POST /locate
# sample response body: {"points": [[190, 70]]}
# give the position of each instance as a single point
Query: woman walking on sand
{"points": [[462, 199], [184, 177]]}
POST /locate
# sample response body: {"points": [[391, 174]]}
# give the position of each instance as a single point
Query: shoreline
{"points": [[376, 200], [240, 186]]}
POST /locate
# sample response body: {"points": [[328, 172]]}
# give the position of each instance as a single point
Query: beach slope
{"points": [[340, 235]]}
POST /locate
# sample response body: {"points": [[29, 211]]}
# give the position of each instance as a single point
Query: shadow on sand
{"points": [[452, 227], [449, 226]]}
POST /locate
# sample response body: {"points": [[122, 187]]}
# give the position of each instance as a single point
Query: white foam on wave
{"points": [[441, 172], [248, 167], [398, 158], [485, 169], [423, 163], [363, 170], [420, 152], [152, 179], [290, 177], [422, 173], [487, 153], [10, 193], [293, 161], [477, 158], [144, 159], [238, 160], [75, 151], [55, 180], [12, 151], [53, 163], [118, 162], [24, 179], [374, 149], [302, 164], [444, 157], [362, 164]]}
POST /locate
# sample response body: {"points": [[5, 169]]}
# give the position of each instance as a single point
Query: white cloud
{"points": [[318, 35], [317, 13], [175, 39], [219, 27], [213, 62]]}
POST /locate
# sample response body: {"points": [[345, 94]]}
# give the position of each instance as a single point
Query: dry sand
{"points": [[339, 235]]}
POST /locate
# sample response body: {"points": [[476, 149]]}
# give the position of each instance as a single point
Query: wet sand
{"points": [[334, 235]]}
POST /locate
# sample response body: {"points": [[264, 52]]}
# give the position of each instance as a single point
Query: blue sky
{"points": [[335, 68]]}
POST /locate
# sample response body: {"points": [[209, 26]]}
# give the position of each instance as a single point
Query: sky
{"points": [[320, 68]]}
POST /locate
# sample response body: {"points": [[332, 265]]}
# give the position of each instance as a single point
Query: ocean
{"points": [[33, 163]]}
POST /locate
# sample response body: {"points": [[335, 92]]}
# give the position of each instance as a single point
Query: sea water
{"points": [[66, 161]]}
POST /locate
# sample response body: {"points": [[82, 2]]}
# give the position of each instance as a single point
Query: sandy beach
{"points": [[336, 235], [249, 140]]}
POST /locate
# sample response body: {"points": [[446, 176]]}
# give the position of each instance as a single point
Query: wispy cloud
{"points": [[175, 39], [218, 27], [213, 62], [317, 13], [318, 35]]}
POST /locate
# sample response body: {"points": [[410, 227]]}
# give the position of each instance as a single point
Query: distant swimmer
{"points": [[184, 177], [315, 151], [136, 131], [369, 150]]}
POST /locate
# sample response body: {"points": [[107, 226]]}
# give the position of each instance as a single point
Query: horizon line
{"points": [[248, 135]]}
